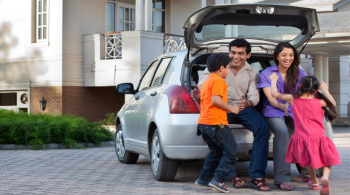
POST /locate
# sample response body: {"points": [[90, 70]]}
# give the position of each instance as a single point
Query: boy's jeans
{"points": [[222, 155]]}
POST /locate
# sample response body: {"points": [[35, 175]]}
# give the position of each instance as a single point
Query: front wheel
{"points": [[124, 156], [163, 168]]}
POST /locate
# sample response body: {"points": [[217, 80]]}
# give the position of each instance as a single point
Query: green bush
{"points": [[110, 119], [40, 129]]}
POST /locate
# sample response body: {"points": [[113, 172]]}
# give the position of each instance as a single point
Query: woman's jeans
{"points": [[282, 128], [222, 154]]}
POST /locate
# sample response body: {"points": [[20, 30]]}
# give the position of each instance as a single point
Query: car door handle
{"points": [[154, 93], [137, 97]]}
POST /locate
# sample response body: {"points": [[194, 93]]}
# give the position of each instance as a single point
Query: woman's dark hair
{"points": [[292, 76], [310, 85]]}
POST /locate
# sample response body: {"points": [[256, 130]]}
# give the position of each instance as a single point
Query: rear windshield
{"points": [[273, 33]]}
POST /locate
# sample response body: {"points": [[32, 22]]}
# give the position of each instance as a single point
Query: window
{"points": [[147, 77], [41, 28], [110, 15], [126, 18], [158, 77], [158, 16]]}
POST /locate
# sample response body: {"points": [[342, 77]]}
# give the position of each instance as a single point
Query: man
{"points": [[241, 82]]}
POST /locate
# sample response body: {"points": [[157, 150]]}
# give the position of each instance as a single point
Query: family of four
{"points": [[229, 89]]}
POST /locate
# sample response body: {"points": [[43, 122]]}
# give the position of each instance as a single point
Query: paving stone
{"points": [[98, 171]]}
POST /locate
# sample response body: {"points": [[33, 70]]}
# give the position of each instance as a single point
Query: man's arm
{"points": [[253, 96], [203, 77]]}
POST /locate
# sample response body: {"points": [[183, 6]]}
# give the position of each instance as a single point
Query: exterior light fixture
{"points": [[264, 10], [42, 104]]}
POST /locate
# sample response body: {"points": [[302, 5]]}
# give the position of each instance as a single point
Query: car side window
{"points": [[147, 77], [158, 77]]}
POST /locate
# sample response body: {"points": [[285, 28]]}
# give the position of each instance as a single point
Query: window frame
{"points": [[154, 16], [165, 71], [143, 76], [42, 26], [130, 7], [115, 13]]}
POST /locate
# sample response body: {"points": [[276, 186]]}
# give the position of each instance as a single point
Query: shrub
{"points": [[110, 119], [40, 129]]}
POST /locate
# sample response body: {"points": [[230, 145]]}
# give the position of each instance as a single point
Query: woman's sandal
{"points": [[237, 182], [284, 186], [259, 184], [325, 190], [313, 186]]}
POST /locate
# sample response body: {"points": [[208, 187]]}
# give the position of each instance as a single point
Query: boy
{"points": [[213, 126]]}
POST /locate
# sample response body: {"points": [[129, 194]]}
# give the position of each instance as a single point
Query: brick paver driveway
{"points": [[97, 171]]}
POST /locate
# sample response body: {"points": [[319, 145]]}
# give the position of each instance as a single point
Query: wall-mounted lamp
{"points": [[42, 104]]}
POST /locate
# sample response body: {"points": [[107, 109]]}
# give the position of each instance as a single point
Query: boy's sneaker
{"points": [[204, 184], [218, 186]]}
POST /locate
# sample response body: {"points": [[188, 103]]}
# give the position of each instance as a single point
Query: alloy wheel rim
{"points": [[119, 144], [155, 154]]}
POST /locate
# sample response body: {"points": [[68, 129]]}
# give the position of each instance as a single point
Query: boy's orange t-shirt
{"points": [[210, 114]]}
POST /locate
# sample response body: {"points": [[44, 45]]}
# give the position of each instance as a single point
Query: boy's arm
{"points": [[275, 93], [218, 102], [324, 88]]}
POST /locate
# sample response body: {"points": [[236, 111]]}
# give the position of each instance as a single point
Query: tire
{"points": [[124, 156], [163, 168]]}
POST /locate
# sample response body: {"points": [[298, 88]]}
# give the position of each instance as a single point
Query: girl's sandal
{"points": [[325, 190], [237, 182], [286, 187], [259, 184], [313, 186]]}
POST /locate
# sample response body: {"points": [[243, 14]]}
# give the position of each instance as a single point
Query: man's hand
{"points": [[196, 93], [284, 107], [243, 103]]}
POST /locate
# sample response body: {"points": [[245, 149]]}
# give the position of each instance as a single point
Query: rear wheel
{"points": [[124, 156], [163, 168]]}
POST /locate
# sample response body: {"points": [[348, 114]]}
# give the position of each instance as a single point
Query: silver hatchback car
{"points": [[160, 121]]}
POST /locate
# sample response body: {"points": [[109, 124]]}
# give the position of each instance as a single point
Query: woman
{"points": [[278, 113]]}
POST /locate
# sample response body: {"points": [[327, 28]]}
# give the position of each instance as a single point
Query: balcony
{"points": [[113, 58]]}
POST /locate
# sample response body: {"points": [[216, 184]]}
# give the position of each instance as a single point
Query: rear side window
{"points": [[163, 66], [147, 77]]}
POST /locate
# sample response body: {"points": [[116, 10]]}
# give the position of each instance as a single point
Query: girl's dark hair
{"points": [[310, 85], [292, 76]]}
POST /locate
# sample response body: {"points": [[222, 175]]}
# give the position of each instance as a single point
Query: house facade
{"points": [[72, 53]]}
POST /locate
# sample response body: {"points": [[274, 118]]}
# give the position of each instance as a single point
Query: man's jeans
{"points": [[222, 154], [253, 121]]}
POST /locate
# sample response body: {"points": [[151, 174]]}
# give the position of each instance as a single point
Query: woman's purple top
{"points": [[269, 110]]}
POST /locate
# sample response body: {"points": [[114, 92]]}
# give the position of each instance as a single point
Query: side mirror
{"points": [[125, 88]]}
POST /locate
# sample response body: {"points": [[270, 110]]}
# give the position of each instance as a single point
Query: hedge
{"points": [[40, 129]]}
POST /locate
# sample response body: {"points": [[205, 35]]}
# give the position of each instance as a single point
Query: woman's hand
{"points": [[274, 77]]}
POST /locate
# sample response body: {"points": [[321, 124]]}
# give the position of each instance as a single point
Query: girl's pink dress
{"points": [[309, 145]]}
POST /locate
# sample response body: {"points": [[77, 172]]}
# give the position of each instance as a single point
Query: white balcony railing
{"points": [[113, 46], [173, 43]]}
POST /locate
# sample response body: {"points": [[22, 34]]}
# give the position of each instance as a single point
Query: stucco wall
{"points": [[180, 10], [22, 62]]}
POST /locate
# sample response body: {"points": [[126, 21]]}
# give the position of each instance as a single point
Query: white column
{"points": [[318, 67], [204, 3], [139, 15], [148, 15], [325, 70]]}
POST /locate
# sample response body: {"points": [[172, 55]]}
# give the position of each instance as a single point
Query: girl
{"points": [[309, 146]]}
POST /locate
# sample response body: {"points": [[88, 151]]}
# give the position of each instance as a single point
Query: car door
{"points": [[135, 132], [148, 99]]}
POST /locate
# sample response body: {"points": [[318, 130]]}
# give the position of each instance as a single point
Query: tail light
{"points": [[180, 102]]}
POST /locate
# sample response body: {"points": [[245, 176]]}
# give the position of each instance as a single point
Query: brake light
{"points": [[180, 102]]}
